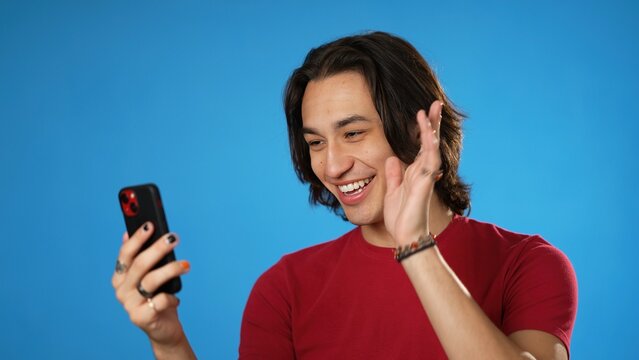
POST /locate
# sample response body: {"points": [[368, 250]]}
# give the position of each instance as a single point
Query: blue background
{"points": [[95, 95]]}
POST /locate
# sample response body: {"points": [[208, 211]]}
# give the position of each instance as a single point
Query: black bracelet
{"points": [[424, 242]]}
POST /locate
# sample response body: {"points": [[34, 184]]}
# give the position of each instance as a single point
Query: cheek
{"points": [[376, 156], [376, 150], [318, 167]]}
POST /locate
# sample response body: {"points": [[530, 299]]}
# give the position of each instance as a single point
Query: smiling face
{"points": [[347, 145]]}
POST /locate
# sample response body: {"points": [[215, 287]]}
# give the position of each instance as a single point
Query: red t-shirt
{"points": [[348, 299]]}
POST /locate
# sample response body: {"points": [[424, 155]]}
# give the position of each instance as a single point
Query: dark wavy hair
{"points": [[401, 83]]}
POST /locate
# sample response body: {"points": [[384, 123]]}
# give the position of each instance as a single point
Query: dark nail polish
{"points": [[170, 239], [146, 227]]}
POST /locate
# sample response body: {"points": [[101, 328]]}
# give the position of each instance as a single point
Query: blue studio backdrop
{"points": [[96, 95]]}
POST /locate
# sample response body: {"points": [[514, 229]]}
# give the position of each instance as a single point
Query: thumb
{"points": [[394, 173]]}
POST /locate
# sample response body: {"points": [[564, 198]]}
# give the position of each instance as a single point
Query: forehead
{"points": [[335, 98]]}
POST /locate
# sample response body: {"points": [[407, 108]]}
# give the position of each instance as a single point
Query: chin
{"points": [[363, 217]]}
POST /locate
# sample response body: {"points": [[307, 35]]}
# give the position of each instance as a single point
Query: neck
{"points": [[439, 218]]}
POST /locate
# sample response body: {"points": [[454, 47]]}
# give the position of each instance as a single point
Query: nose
{"points": [[338, 161]]}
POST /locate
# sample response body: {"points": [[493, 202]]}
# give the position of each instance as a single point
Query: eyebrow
{"points": [[339, 124]]}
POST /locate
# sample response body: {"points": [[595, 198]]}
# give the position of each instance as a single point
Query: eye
{"points": [[314, 144], [352, 134]]}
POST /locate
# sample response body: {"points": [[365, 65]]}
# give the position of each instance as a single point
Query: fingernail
{"points": [[146, 227], [170, 239], [185, 265]]}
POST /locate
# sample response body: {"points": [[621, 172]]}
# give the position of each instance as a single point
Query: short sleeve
{"points": [[541, 292], [266, 323]]}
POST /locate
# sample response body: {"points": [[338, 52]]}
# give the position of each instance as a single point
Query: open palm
{"points": [[409, 189]]}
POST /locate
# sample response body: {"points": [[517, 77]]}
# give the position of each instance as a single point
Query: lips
{"points": [[354, 192]]}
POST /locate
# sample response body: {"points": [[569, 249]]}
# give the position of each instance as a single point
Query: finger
{"points": [[144, 312], [132, 246], [435, 119], [163, 301], [149, 257], [426, 131], [128, 251], [435, 115], [427, 164], [156, 278], [394, 173]]}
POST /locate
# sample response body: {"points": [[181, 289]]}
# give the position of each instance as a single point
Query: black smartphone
{"points": [[142, 203]]}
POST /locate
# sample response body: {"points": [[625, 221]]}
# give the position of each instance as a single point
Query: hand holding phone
{"points": [[146, 260]]}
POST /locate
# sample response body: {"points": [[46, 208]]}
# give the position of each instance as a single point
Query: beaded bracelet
{"points": [[423, 243]]}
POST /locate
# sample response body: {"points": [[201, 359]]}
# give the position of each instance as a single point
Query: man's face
{"points": [[347, 144]]}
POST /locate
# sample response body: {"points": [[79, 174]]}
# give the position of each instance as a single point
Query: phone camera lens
{"points": [[124, 199], [134, 207]]}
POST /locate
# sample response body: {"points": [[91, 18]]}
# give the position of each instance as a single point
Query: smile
{"points": [[354, 187]]}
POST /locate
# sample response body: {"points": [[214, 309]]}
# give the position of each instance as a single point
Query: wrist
{"points": [[409, 237], [423, 243], [177, 349], [423, 261]]}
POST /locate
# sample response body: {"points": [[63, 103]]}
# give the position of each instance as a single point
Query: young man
{"points": [[362, 140]]}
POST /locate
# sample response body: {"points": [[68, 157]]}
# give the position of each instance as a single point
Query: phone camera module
{"points": [[129, 202]]}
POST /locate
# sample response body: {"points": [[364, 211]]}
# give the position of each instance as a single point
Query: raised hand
{"points": [[410, 188]]}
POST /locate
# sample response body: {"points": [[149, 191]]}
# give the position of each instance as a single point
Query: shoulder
{"points": [[524, 248], [540, 285], [320, 251], [306, 262], [488, 232], [516, 259], [497, 239], [267, 320]]}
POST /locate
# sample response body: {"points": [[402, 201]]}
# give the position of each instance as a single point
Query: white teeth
{"points": [[354, 185]]}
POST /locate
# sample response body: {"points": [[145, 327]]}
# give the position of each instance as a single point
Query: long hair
{"points": [[401, 83]]}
